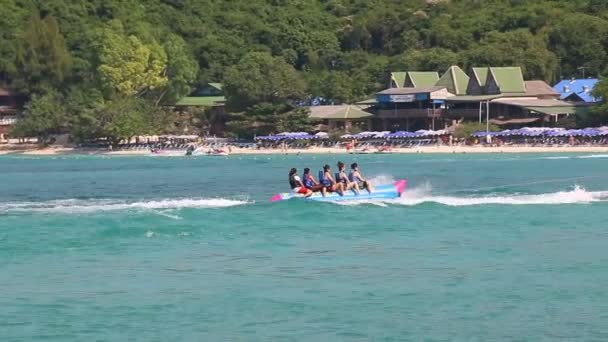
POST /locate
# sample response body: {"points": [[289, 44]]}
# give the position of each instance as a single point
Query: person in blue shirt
{"points": [[329, 182], [310, 182]]}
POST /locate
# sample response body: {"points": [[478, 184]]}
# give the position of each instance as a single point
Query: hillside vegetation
{"points": [[107, 66]]}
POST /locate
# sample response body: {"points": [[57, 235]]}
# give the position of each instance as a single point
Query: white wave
{"points": [[90, 206], [556, 158], [594, 156], [382, 179], [577, 195]]}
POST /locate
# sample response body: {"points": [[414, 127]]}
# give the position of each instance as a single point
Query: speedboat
{"points": [[384, 191]]}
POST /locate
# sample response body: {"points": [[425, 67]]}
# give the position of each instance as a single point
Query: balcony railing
{"points": [[410, 113], [8, 120], [466, 112]]}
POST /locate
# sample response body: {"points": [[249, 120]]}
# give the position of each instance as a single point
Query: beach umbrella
{"points": [[401, 134], [269, 137]]}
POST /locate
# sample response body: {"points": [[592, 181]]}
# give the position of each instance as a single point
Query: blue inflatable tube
{"points": [[385, 191]]}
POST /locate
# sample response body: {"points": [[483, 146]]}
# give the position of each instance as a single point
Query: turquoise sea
{"points": [[481, 247]]}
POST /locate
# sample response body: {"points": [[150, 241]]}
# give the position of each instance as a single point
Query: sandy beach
{"points": [[63, 150]]}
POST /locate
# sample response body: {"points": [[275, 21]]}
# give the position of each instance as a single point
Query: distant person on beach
{"points": [[341, 177], [329, 182], [296, 183], [310, 182], [356, 177]]}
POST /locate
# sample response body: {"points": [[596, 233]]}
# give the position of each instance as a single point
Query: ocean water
{"points": [[481, 247]]}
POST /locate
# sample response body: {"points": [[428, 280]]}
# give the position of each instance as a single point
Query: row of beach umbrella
{"points": [[292, 136], [548, 132], [359, 136], [396, 135]]}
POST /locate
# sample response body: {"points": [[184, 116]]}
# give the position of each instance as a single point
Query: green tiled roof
{"points": [[455, 80], [423, 79], [201, 101], [481, 74], [509, 79], [399, 78]]}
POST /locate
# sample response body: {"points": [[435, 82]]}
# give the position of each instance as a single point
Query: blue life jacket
{"points": [[323, 180], [339, 178], [353, 178], [308, 183]]}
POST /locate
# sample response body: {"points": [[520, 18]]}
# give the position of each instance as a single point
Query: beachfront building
{"points": [[11, 105], [502, 96], [577, 90], [341, 117], [209, 97], [416, 100]]}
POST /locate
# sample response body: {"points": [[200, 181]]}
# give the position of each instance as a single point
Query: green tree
{"points": [[261, 78], [515, 48], [182, 70], [580, 40], [44, 117], [297, 120], [124, 118], [464, 130], [598, 116], [127, 66], [42, 58]]}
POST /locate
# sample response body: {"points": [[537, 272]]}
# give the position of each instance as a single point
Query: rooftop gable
{"points": [[481, 75], [421, 79], [580, 87], [209, 89], [455, 80], [398, 79], [477, 81], [505, 80]]}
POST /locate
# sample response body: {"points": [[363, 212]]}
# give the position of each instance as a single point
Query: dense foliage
{"points": [[85, 55]]}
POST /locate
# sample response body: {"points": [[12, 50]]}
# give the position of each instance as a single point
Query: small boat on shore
{"points": [[384, 191]]}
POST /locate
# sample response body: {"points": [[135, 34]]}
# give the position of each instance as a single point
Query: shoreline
{"points": [[62, 150]]}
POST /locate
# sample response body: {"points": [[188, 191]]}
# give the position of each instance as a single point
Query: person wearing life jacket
{"points": [[296, 183], [329, 182], [310, 182], [341, 177], [356, 177]]}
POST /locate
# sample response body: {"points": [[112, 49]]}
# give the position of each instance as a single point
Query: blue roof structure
{"points": [[577, 90]]}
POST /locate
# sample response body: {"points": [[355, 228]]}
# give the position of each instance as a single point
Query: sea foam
{"points": [[422, 195], [97, 205], [575, 196]]}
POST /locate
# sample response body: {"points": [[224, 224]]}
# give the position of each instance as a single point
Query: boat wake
{"points": [[76, 206], [422, 195]]}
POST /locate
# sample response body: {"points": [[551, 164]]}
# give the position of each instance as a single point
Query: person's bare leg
{"points": [[355, 186]]}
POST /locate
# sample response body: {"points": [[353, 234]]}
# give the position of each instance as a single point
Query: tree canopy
{"points": [[282, 51]]}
